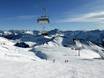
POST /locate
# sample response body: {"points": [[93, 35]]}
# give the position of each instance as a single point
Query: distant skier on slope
{"points": [[66, 61], [53, 60]]}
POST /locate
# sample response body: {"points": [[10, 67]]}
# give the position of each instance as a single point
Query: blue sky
{"points": [[64, 14]]}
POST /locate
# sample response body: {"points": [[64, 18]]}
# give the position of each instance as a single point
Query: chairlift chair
{"points": [[43, 20]]}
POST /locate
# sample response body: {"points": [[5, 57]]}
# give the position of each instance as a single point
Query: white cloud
{"points": [[89, 17], [26, 17], [22, 17]]}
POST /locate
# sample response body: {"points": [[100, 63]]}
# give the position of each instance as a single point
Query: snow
{"points": [[50, 44], [61, 53], [48, 69], [7, 33], [16, 62], [31, 44], [29, 32], [20, 67], [54, 51], [78, 43], [88, 54], [86, 51], [4, 41], [10, 52]]}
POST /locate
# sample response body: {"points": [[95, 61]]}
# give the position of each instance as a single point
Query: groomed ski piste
{"points": [[51, 59]]}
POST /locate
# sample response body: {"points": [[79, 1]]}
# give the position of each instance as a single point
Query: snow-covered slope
{"points": [[9, 51], [4, 41], [58, 55], [88, 51], [79, 50], [46, 69], [55, 40]]}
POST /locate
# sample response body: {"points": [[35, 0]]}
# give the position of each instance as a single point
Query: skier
{"points": [[66, 61], [53, 60]]}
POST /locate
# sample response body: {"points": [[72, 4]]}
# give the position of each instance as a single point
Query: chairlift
{"points": [[43, 20]]}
